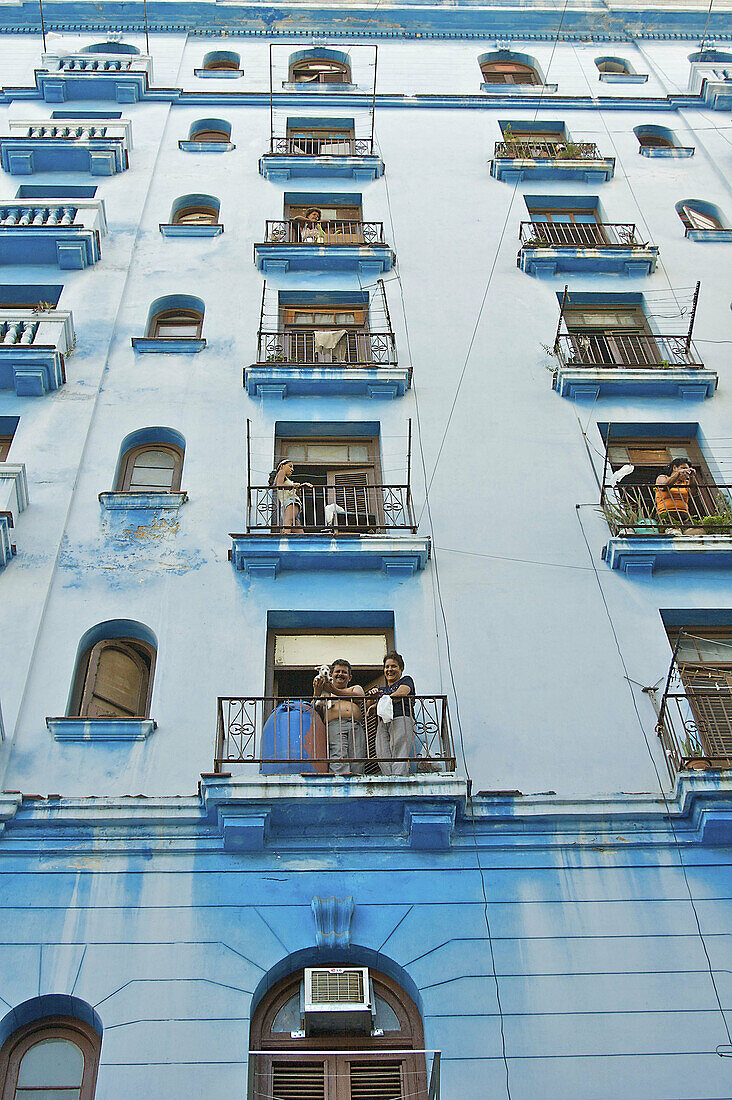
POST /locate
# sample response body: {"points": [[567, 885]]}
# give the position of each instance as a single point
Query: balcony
{"points": [[347, 246], [344, 527], [33, 348], [276, 736], [695, 718], [334, 156], [592, 248], [100, 148], [362, 363], [122, 78], [643, 542], [550, 160], [13, 501], [597, 364], [67, 236]]}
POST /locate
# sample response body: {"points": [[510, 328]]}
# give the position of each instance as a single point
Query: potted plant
{"points": [[721, 520], [569, 151], [692, 756], [623, 518]]}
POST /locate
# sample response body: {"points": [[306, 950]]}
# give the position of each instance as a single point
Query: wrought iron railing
{"points": [[315, 346], [548, 150], [607, 348], [291, 735], [67, 133], [579, 235], [322, 145], [292, 231], [37, 215], [695, 717], [636, 510], [332, 509]]}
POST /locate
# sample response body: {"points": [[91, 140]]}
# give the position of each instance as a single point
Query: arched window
{"points": [[210, 130], [151, 468], [221, 61], [176, 324], [654, 139], [699, 215], [195, 210], [320, 70], [111, 47], [507, 71], [114, 675], [612, 65], [360, 1065], [54, 1057]]}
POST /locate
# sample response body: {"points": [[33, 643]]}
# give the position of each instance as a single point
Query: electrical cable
{"points": [[658, 777]]}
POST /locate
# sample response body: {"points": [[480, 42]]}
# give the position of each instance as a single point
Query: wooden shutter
{"points": [[293, 1080], [712, 712], [376, 1080], [354, 491], [116, 682]]}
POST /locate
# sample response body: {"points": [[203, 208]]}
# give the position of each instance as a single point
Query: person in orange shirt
{"points": [[672, 493]]}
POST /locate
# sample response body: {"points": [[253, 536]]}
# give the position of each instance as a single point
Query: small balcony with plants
{"points": [[97, 145], [104, 71], [544, 151], [582, 244], [695, 716], [64, 234], [34, 347], [607, 345], [326, 344]]}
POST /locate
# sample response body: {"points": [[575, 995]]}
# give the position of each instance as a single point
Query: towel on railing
{"points": [[334, 148], [385, 709], [327, 340]]}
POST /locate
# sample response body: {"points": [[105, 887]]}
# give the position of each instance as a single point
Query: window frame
{"points": [[50, 1027], [83, 690], [212, 136], [501, 71], [655, 141], [166, 316], [5, 444], [127, 465], [338, 68], [691, 218], [183, 216]]}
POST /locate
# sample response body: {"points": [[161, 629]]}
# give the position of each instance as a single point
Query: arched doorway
{"points": [[294, 1059]]}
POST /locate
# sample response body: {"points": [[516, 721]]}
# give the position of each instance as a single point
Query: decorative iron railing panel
{"points": [[638, 510], [307, 346], [354, 509], [608, 348], [695, 717], [292, 231], [578, 235], [290, 735], [548, 150], [322, 145]]}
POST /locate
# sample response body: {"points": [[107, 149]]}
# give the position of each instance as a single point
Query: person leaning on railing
{"points": [[395, 736], [310, 227], [672, 493], [344, 718], [286, 503]]}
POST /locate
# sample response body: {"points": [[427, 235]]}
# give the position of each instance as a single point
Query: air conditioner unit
{"points": [[338, 998]]}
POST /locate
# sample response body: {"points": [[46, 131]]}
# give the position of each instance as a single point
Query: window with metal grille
{"points": [[332, 988]]}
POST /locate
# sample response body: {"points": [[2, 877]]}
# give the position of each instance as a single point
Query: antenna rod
{"points": [[147, 36], [43, 25], [373, 97], [692, 318], [271, 108], [561, 314]]}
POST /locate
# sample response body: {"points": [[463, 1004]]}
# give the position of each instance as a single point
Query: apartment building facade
{"points": [[328, 334]]}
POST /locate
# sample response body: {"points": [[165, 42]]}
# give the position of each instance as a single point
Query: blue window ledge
{"points": [[515, 169], [61, 87], [206, 146], [219, 74], [588, 261], [267, 555], [521, 90], [279, 167], [72, 248], [152, 499], [368, 260], [168, 229], [23, 156], [644, 555], [709, 234], [678, 151], [289, 380], [623, 78], [101, 729], [172, 345], [590, 383], [318, 90]]}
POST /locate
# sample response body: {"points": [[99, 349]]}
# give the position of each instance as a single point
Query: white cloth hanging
{"points": [[385, 709]]}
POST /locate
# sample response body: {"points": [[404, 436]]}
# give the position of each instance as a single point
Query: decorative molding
{"points": [[101, 729], [689, 384], [332, 921], [152, 499], [280, 380], [642, 556], [268, 555]]}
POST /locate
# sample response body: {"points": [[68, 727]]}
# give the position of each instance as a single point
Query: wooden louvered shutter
{"points": [[712, 712], [376, 1080], [116, 682], [354, 491], [293, 1080]]}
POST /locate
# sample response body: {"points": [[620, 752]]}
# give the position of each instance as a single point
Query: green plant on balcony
{"points": [[624, 518], [693, 755], [275, 357], [569, 151]]}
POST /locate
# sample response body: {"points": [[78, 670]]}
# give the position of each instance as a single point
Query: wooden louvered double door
{"points": [[709, 694], [338, 1077]]}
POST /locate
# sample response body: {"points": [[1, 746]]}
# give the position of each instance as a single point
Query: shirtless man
{"points": [[344, 717]]}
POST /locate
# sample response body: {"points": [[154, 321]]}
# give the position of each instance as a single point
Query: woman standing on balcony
{"points": [[311, 229], [672, 493], [395, 735], [286, 503]]}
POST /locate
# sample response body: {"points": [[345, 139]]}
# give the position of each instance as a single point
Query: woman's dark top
{"points": [[404, 705]]}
